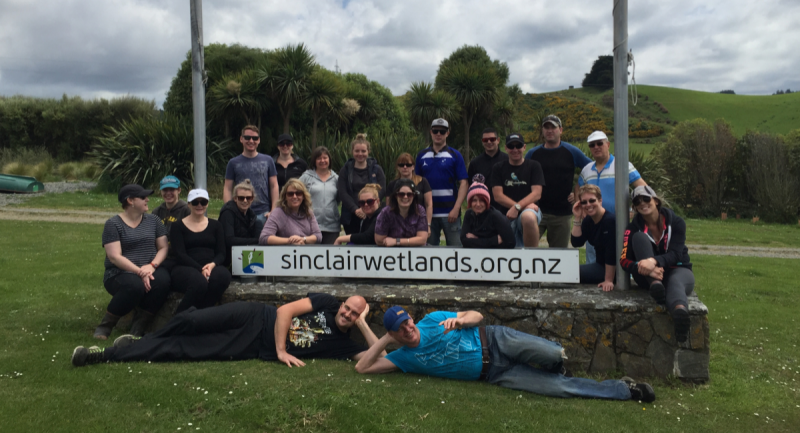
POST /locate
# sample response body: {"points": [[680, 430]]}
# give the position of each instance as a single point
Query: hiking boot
{"points": [[141, 321], [642, 392], [658, 292], [82, 356], [680, 317], [125, 340], [108, 323]]}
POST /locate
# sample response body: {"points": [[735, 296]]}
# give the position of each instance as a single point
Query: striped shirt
{"points": [[443, 171], [138, 244], [605, 180]]}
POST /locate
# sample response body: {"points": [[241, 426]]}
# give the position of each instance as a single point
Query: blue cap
{"points": [[394, 317], [170, 182]]}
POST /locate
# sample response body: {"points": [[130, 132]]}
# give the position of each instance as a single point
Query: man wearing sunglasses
{"points": [[604, 177], [444, 169], [559, 160], [257, 167], [517, 186], [483, 163]]}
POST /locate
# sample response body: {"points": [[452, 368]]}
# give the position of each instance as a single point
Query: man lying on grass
{"points": [[313, 327], [451, 345]]}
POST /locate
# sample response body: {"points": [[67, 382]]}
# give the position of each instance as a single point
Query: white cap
{"points": [[440, 122], [197, 193], [596, 135]]}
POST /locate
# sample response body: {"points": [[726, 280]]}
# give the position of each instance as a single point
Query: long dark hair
{"points": [[395, 207]]}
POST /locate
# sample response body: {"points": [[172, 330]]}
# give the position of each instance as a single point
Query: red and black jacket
{"points": [[670, 250]]}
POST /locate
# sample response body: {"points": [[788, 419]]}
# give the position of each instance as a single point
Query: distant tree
{"points": [[728, 92], [285, 76], [602, 74], [424, 104], [234, 95], [323, 92]]}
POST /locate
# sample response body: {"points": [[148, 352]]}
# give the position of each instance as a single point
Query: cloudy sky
{"points": [[104, 48]]}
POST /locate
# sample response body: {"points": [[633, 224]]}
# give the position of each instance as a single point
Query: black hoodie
{"points": [[486, 226], [293, 171], [239, 228], [670, 251]]}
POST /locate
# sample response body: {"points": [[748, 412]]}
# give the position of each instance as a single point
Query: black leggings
{"points": [[128, 292], [199, 292], [678, 282], [328, 238], [228, 332]]}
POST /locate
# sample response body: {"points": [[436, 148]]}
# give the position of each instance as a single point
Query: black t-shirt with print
{"points": [[312, 335], [516, 180]]}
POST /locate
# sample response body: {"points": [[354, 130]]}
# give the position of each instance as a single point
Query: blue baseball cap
{"points": [[394, 317], [170, 182]]}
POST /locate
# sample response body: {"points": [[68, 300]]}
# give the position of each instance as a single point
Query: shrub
{"points": [[17, 168], [43, 170], [771, 180], [144, 150]]}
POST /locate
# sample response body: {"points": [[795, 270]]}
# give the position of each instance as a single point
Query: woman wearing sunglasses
{"points": [[289, 165], [403, 222], [405, 170], [484, 227], [293, 222], [199, 244], [370, 203], [238, 220], [597, 226], [357, 172], [654, 252], [321, 183]]}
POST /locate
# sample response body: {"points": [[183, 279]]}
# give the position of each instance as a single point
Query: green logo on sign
{"points": [[252, 261]]}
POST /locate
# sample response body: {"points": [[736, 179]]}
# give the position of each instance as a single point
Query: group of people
{"points": [[514, 199]]}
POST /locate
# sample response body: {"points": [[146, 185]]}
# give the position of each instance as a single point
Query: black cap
{"points": [[132, 191], [285, 137], [515, 137]]}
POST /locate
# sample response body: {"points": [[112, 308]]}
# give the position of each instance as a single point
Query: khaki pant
{"points": [[558, 228]]}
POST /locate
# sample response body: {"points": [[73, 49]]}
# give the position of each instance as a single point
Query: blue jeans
{"points": [[260, 221], [591, 256], [516, 225], [452, 231], [511, 352]]}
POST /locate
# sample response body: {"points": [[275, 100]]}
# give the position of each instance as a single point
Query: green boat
{"points": [[10, 183]]}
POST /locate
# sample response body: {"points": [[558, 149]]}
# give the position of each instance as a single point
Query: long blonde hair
{"points": [[305, 206]]}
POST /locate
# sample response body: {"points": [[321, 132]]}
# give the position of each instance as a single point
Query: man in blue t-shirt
{"points": [[604, 177], [451, 345], [444, 169], [257, 167]]}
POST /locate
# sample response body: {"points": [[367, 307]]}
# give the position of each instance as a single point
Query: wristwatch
{"points": [[517, 207], [397, 241]]}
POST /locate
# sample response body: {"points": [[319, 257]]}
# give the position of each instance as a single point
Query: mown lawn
{"points": [[51, 297]]}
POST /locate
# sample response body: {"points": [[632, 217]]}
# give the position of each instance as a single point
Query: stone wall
{"points": [[601, 332]]}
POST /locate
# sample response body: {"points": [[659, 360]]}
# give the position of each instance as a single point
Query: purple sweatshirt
{"points": [[282, 225]]}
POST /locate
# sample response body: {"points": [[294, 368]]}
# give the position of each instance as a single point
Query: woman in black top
{"points": [[357, 172], [597, 226], [483, 226], [136, 245], [369, 202], [654, 252], [238, 220], [288, 165], [199, 244]]}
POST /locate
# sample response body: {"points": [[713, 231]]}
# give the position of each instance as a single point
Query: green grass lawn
{"points": [[51, 297], [100, 202]]}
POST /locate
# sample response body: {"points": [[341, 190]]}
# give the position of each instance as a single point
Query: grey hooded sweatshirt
{"points": [[323, 199]]}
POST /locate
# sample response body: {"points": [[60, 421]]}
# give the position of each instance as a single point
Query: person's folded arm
{"points": [[283, 320]]}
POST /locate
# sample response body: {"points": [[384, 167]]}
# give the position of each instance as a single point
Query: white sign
{"points": [[549, 265]]}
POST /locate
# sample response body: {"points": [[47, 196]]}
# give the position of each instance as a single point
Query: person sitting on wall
{"points": [[199, 244], [483, 226], [369, 202], [452, 345], [654, 252], [597, 226], [403, 222], [238, 220], [293, 222], [171, 210]]}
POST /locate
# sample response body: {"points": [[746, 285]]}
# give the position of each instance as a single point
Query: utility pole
{"points": [[621, 129], [198, 94]]}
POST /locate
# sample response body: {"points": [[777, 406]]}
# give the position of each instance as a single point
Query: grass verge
{"points": [[51, 297]]}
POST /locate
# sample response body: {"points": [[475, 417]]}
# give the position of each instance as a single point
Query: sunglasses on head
{"points": [[642, 198], [199, 202], [489, 140], [405, 165], [514, 145], [404, 194], [591, 200], [439, 131], [294, 193], [244, 197], [250, 137], [367, 202], [285, 144], [594, 144]]}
